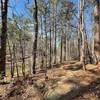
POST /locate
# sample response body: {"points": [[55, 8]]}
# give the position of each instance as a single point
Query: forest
{"points": [[49, 49]]}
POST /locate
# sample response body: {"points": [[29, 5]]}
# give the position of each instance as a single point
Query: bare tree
{"points": [[36, 35], [4, 8], [97, 29], [81, 30]]}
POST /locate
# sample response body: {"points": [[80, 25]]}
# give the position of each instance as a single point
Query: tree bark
{"points": [[55, 48], [81, 28], [64, 46], [4, 9], [61, 51], [42, 55], [97, 27], [36, 36], [50, 42]]}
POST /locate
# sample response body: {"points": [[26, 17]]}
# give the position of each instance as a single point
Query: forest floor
{"points": [[64, 82]]}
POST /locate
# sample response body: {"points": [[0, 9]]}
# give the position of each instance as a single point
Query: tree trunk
{"points": [[36, 36], [50, 45], [81, 28], [3, 38], [42, 55], [97, 29], [61, 51], [64, 46], [55, 48], [46, 37], [79, 33]]}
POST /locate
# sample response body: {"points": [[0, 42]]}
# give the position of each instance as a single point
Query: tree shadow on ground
{"points": [[94, 71], [81, 90], [4, 83], [73, 67]]}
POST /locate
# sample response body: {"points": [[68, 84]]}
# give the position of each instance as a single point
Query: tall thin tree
{"points": [[81, 28], [36, 35], [97, 28], [4, 8]]}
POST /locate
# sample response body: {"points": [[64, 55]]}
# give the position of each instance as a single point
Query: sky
{"points": [[20, 9], [18, 5]]}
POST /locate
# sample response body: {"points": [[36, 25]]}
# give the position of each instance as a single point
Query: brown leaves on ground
{"points": [[62, 84], [21, 89]]}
